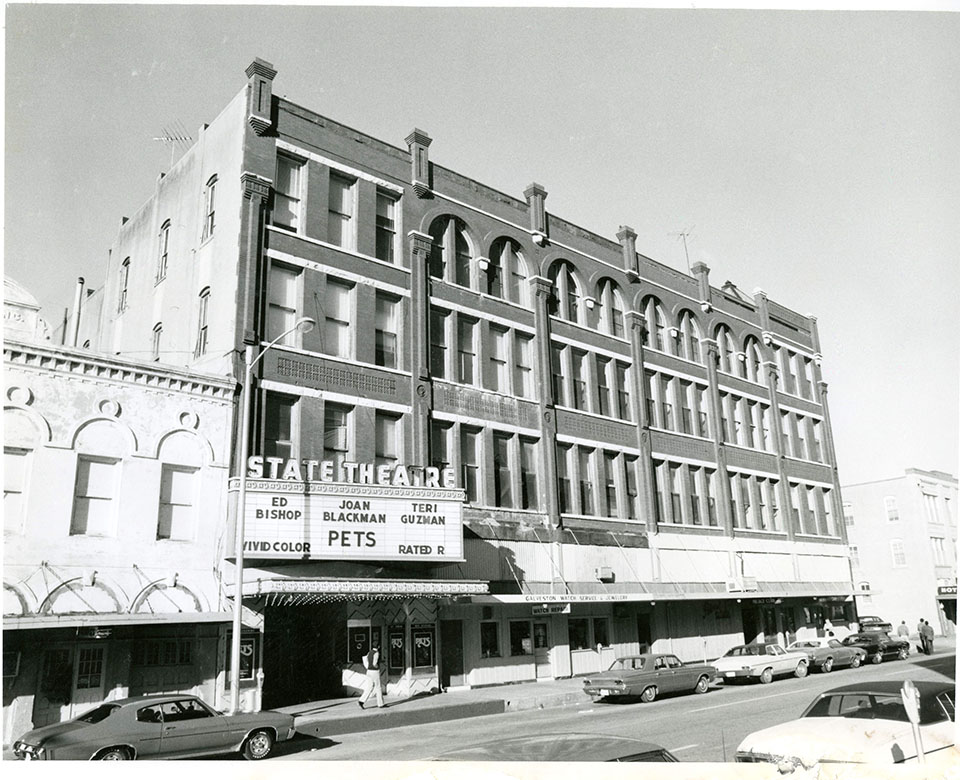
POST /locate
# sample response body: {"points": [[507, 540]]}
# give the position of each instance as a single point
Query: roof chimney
{"points": [[260, 76], [418, 142]]}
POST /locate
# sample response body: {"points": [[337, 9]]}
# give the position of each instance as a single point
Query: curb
{"points": [[389, 720]]}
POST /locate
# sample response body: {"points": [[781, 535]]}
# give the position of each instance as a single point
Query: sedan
{"points": [[144, 727], [561, 747], [649, 675], [826, 653], [761, 662], [864, 722], [878, 645]]}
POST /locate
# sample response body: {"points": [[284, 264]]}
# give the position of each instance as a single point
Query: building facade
{"points": [[115, 476], [645, 459], [903, 547]]}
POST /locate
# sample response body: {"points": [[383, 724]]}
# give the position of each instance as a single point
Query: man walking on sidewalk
{"points": [[371, 662], [923, 638], [927, 634]]}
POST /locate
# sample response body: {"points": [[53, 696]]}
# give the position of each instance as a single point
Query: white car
{"points": [[763, 662], [859, 723]]}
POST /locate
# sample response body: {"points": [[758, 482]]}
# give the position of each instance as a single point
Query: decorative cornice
{"points": [[540, 285], [105, 368], [261, 68], [420, 242], [255, 185]]}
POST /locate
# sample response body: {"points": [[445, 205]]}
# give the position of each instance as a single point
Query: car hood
{"points": [[855, 740], [42, 734]]}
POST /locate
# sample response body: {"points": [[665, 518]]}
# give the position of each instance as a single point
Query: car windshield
{"points": [[870, 706], [98, 713], [744, 650], [801, 645], [626, 664]]}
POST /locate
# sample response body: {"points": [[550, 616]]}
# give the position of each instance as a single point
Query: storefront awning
{"points": [[297, 592], [112, 619]]}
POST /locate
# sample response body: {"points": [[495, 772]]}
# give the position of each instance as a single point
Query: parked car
{"points": [[827, 653], [145, 727], [863, 722], [561, 747], [761, 661], [878, 645], [873, 623], [649, 675]]}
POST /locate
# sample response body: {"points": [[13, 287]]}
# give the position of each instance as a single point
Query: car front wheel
{"points": [[258, 745], [702, 684], [855, 661], [766, 676], [877, 657], [904, 652], [801, 670], [827, 665], [114, 754], [649, 694]]}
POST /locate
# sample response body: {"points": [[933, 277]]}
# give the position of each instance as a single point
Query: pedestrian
{"points": [[923, 639], [927, 637], [902, 629], [371, 662]]}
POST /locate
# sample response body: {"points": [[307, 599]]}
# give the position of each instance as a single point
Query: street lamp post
{"points": [[304, 325]]}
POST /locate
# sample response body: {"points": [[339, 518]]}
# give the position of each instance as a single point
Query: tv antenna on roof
{"points": [[173, 136], [683, 235]]}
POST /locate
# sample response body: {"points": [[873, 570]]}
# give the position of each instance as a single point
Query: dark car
{"points": [[827, 653], [145, 727], [879, 646], [873, 623], [648, 675], [561, 747]]}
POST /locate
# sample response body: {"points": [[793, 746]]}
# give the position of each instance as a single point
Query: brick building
{"points": [[115, 477], [903, 547], [646, 459]]}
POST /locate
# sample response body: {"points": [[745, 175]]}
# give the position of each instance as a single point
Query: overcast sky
{"points": [[813, 154]]}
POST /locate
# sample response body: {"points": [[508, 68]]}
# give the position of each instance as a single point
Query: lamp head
{"points": [[306, 324]]}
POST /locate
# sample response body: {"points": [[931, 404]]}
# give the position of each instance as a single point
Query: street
{"points": [[694, 728]]}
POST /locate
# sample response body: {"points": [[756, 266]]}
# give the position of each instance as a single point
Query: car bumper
{"points": [[24, 752], [605, 690], [734, 674]]}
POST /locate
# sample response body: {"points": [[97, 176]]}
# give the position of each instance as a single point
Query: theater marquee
{"points": [[300, 520]]}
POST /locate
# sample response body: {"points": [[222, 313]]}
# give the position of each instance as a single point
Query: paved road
{"points": [[694, 728]]}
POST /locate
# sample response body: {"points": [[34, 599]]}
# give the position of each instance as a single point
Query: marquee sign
{"points": [[300, 520]]}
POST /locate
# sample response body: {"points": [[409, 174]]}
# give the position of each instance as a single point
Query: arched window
{"points": [[753, 365], [157, 333], [725, 349], [204, 303], [124, 284], [565, 300], [656, 324], [163, 250], [507, 272], [611, 309], [451, 254], [209, 207], [689, 337]]}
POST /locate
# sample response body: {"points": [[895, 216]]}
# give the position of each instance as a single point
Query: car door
{"points": [[145, 733], [683, 677], [189, 727]]}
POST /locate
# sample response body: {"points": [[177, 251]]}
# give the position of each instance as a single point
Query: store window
{"points": [[359, 641], [162, 652], [424, 647], [601, 632], [489, 640], [396, 656], [579, 633], [521, 639]]}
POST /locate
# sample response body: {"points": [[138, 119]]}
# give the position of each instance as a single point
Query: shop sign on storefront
{"points": [[390, 519], [947, 590], [552, 609]]}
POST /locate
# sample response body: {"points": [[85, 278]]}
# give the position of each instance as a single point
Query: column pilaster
{"points": [[711, 354], [540, 289], [636, 326], [417, 348]]}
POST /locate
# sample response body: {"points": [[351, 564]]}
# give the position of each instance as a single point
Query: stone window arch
{"points": [[566, 299], [689, 337], [507, 273], [611, 308], [452, 253], [656, 336]]}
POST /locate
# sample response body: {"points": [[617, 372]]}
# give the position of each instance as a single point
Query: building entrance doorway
{"points": [[751, 628], [71, 682], [541, 649], [451, 653], [644, 632]]}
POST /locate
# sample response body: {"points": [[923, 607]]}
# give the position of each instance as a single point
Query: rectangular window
{"points": [[676, 502], [795, 508], [16, 463], [604, 396], [201, 348], [585, 457], [579, 365], [695, 474], [939, 550], [498, 360], [386, 226], [502, 478], [466, 351], [336, 326], [633, 492], [763, 508], [726, 424], [523, 374], [565, 492], [799, 445], [601, 632], [750, 419], [775, 506], [890, 505], [386, 331], [739, 436], [578, 631], [711, 483], [623, 391], [94, 496], [828, 513], [469, 463], [686, 413], [438, 343], [336, 430], [155, 346], [766, 421], [666, 405], [178, 498], [760, 430], [786, 433], [440, 444], [816, 443], [283, 291], [521, 641], [209, 208], [387, 439], [278, 426], [660, 491], [897, 553], [424, 646], [286, 196], [854, 555], [529, 498], [340, 225], [749, 510], [489, 639], [163, 253], [700, 405], [556, 371], [649, 381], [610, 482], [848, 514]]}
